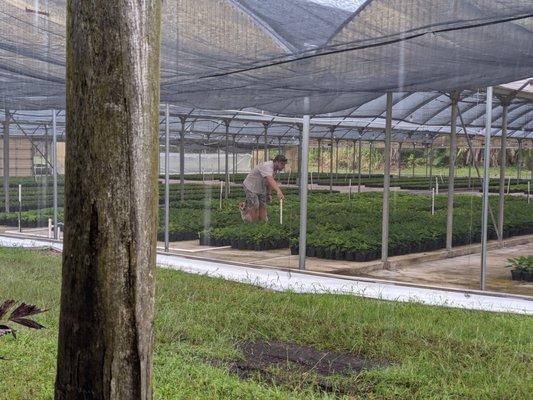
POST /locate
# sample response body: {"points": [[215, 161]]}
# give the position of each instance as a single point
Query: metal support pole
{"points": [[167, 176], [451, 171], [503, 159], [303, 189], [400, 160], [182, 159], [471, 154], [200, 162], [265, 155], [519, 162], [370, 159], [354, 152], [336, 160], [234, 160], [427, 161], [359, 160], [386, 185], [319, 158], [299, 176], [331, 131], [226, 164], [431, 155], [414, 159], [485, 207], [6, 160], [218, 158], [54, 164]]}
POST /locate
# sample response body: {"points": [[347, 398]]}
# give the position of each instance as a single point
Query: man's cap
{"points": [[280, 158]]}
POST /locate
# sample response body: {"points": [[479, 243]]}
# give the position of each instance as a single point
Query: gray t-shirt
{"points": [[255, 182]]}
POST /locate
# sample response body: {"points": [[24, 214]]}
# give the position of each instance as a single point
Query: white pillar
{"points": [[54, 165], [332, 130], [6, 160], [303, 187], [265, 152], [226, 164], [167, 177], [386, 185], [182, 159], [485, 206], [451, 170], [503, 160]]}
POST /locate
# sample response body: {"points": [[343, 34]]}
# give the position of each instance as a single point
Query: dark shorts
{"points": [[255, 200]]}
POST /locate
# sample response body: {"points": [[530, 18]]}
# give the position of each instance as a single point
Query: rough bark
{"points": [[107, 294]]}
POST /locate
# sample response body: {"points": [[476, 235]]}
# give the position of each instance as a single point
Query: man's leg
{"points": [[262, 213], [249, 210], [262, 209]]}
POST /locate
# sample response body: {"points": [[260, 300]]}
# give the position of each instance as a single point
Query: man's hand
{"points": [[269, 198], [280, 195]]}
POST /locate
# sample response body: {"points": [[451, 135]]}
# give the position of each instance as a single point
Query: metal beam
{"points": [[54, 163], [266, 143], [485, 206], [359, 160], [182, 159], [332, 130], [226, 166], [167, 176], [386, 185], [303, 189], [451, 171], [6, 160], [503, 160]]}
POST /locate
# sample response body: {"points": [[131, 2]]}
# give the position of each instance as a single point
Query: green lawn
{"points": [[434, 353]]}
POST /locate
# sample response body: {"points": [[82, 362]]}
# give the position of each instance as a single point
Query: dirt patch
{"points": [[304, 366]]}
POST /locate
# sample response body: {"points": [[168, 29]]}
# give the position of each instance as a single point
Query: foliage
{"points": [[521, 263]]}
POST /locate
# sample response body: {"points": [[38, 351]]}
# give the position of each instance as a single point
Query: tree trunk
{"points": [[107, 294]]}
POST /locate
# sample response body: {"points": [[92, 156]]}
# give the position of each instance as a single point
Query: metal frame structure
{"points": [[278, 131]]}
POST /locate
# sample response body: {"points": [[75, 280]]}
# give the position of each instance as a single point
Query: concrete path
{"points": [[279, 280]]}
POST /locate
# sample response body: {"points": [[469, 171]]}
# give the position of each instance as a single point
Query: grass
{"points": [[435, 353]]}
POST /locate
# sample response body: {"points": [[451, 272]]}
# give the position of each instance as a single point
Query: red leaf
{"points": [[27, 323], [5, 307], [25, 310]]}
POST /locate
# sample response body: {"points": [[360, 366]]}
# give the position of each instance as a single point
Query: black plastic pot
{"points": [[328, 254], [350, 255], [527, 275], [516, 275], [360, 256], [340, 254]]}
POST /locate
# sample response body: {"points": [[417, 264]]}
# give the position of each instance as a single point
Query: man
{"points": [[258, 185]]}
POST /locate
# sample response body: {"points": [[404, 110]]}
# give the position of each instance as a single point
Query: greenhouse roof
{"points": [[272, 54]]}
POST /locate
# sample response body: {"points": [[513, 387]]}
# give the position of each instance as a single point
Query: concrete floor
{"points": [[431, 268], [464, 271]]}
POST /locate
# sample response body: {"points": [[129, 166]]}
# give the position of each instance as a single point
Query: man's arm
{"points": [[273, 185]]}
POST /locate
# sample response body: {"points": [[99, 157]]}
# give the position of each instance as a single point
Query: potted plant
{"points": [[521, 268]]}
